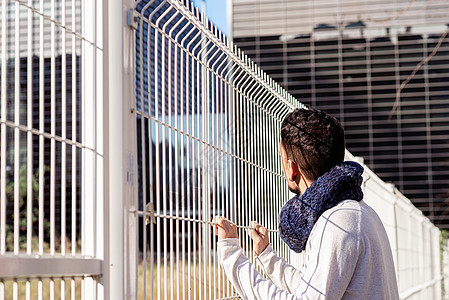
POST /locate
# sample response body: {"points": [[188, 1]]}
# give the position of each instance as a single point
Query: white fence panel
{"points": [[203, 110], [51, 150]]}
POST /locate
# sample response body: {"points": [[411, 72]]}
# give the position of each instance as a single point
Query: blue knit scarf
{"points": [[299, 214]]}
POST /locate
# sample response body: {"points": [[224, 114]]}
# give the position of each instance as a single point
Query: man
{"points": [[348, 252]]}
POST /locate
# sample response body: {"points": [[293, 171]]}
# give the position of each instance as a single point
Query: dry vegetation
{"points": [[173, 281], [46, 289]]}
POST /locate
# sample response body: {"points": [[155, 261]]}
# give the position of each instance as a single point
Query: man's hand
{"points": [[225, 229], [260, 237]]}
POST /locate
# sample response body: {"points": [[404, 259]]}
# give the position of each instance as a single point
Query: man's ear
{"points": [[294, 169]]}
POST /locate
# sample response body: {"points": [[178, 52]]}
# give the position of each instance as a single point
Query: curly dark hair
{"points": [[314, 140]]}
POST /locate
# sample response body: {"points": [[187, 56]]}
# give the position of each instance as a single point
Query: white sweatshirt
{"points": [[348, 257]]}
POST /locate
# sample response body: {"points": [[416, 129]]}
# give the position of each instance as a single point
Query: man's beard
{"points": [[295, 190]]}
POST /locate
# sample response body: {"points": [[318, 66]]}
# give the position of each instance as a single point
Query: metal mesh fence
{"points": [[208, 124], [48, 152]]}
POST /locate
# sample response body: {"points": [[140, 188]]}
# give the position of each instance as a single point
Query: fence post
{"points": [[114, 28]]}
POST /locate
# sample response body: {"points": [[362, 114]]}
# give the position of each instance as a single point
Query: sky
{"points": [[216, 10]]}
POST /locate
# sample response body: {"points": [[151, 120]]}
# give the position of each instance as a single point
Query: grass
{"points": [[206, 282], [35, 243], [46, 289], [199, 283]]}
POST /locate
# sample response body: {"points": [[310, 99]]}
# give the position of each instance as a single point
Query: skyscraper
{"points": [[349, 58]]}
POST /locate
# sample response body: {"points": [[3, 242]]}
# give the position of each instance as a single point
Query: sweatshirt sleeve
{"points": [[249, 283], [280, 272]]}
